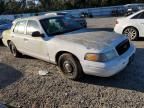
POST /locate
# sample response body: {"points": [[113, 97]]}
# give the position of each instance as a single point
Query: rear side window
{"points": [[20, 27], [139, 16], [32, 26], [142, 16]]}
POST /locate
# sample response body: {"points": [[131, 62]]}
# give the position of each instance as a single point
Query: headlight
{"points": [[101, 57], [95, 57]]}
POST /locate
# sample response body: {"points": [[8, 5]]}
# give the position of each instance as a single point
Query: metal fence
{"points": [[102, 11]]}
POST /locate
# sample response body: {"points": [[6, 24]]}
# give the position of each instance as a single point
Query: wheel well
{"points": [[62, 52], [132, 27], [8, 42]]}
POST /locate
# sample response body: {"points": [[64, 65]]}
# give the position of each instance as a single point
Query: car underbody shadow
{"points": [[141, 39], [131, 78], [27, 57], [8, 75], [1, 43]]}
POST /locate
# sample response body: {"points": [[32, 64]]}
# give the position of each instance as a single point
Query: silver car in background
{"points": [[4, 25], [77, 18]]}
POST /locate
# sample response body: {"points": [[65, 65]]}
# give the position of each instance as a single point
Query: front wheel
{"points": [[132, 33], [70, 66]]}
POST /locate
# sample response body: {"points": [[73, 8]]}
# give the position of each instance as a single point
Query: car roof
{"points": [[51, 13], [134, 4], [37, 17], [62, 12]]}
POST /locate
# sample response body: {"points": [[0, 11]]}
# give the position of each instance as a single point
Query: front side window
{"points": [[32, 26], [59, 25], [142, 16], [20, 27]]}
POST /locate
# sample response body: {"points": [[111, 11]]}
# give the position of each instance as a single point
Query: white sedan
{"points": [[76, 50], [132, 26]]}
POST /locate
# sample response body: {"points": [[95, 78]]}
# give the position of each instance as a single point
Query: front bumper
{"points": [[109, 68]]}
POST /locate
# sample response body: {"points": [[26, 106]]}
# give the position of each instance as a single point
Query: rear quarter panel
{"points": [[124, 23], [6, 36], [133, 23]]}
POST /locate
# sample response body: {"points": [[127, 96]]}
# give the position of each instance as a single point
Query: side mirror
{"points": [[37, 34]]}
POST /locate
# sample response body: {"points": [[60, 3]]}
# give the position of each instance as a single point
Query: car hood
{"points": [[92, 38]]}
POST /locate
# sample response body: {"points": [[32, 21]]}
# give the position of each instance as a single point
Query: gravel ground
{"points": [[21, 86]]}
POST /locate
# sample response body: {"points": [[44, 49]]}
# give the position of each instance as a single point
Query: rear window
{"points": [[139, 16]]}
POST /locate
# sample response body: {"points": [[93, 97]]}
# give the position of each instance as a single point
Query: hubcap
{"points": [[130, 33], [68, 67]]}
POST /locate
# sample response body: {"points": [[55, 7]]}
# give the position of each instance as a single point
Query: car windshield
{"points": [[59, 25]]}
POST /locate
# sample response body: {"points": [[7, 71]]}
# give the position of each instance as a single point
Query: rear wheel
{"points": [[132, 33], [70, 66], [14, 50]]}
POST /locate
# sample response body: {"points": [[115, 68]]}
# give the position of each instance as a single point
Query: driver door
{"points": [[35, 46]]}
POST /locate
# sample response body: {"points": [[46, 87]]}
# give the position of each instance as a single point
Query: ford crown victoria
{"points": [[76, 50]]}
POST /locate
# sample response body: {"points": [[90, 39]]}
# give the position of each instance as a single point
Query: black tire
{"points": [[14, 50], [132, 33], [90, 16], [85, 26], [1, 43], [70, 66]]}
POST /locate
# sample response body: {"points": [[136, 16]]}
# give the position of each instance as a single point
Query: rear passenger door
{"points": [[139, 22], [18, 35], [35, 46]]}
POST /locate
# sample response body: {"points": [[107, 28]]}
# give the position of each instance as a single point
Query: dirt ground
{"points": [[22, 86]]}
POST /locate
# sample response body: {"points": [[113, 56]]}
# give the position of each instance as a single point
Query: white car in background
{"points": [[132, 26]]}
